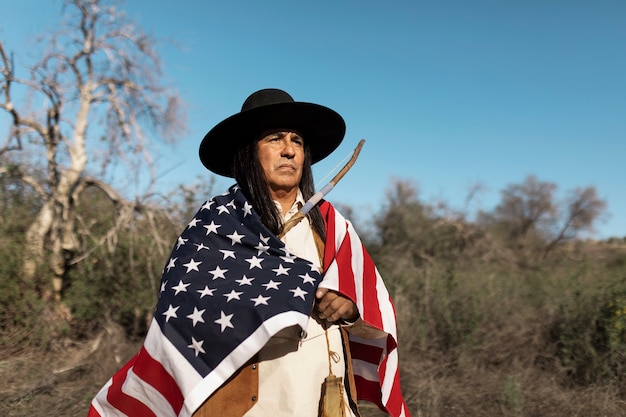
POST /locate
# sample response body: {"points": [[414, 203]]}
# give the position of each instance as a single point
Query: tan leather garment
{"points": [[235, 397]]}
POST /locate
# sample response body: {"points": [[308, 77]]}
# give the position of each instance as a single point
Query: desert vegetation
{"points": [[497, 322], [488, 324]]}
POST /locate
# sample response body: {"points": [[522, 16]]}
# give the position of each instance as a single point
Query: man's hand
{"points": [[334, 307]]}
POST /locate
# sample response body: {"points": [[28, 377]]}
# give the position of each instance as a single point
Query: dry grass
{"points": [[63, 382], [506, 392]]}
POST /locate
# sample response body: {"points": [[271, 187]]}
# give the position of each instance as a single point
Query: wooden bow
{"points": [[321, 193]]}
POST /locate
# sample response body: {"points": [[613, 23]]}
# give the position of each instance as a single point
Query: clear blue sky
{"points": [[448, 94]]}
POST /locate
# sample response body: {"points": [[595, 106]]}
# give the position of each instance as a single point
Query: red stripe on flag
{"points": [[396, 404], [366, 353], [151, 371], [370, 297], [368, 391], [347, 276], [123, 402], [329, 248], [93, 412], [396, 400]]}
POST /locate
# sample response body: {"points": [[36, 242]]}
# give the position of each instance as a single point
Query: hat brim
{"points": [[322, 128]]}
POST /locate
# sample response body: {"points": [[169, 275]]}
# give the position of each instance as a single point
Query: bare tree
{"points": [[581, 209], [527, 207], [91, 97], [531, 209]]}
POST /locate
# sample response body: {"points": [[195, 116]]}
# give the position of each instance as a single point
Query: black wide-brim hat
{"points": [[321, 128]]}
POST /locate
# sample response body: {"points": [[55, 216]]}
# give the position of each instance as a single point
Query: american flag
{"points": [[228, 287]]}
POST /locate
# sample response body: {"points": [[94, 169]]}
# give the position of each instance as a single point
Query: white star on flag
{"points": [[192, 265], [261, 248], [260, 300], [206, 291], [255, 262], [171, 312], [235, 238], [281, 270], [171, 264], [201, 246], [307, 279], [244, 281], [211, 228], [196, 316], [218, 272], [181, 287], [233, 295], [224, 321], [228, 254], [272, 284], [222, 209], [180, 242], [197, 345], [247, 209], [298, 292]]}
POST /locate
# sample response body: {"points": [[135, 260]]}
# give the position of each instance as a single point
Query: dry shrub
{"points": [[514, 342]]}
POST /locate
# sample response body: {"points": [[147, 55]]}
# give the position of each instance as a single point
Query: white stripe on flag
{"points": [[163, 351], [139, 389], [101, 404], [365, 369]]}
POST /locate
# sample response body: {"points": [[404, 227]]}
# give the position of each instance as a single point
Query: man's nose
{"points": [[289, 149]]}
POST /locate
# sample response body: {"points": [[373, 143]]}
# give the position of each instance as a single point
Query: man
{"points": [[256, 320]]}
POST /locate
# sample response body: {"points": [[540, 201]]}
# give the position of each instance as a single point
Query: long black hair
{"points": [[251, 179]]}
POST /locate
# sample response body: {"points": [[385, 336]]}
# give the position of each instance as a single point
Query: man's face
{"points": [[281, 155]]}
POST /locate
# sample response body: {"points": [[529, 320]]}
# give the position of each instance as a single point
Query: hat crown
{"points": [[266, 97]]}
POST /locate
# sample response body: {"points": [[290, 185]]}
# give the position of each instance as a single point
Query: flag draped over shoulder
{"points": [[350, 270], [228, 287]]}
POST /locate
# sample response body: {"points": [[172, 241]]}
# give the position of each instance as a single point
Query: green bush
{"points": [[591, 330], [122, 286]]}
